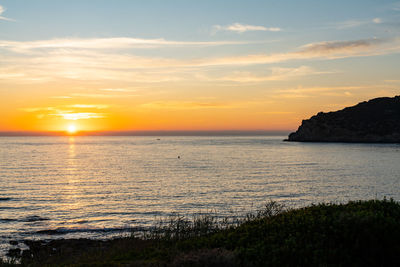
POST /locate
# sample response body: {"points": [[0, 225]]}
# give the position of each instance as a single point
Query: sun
{"points": [[71, 129]]}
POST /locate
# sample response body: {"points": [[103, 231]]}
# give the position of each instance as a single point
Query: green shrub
{"points": [[359, 233]]}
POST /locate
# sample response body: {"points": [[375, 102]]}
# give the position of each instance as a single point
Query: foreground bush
{"points": [[362, 233]]}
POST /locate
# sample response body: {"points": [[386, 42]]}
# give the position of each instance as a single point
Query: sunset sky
{"points": [[191, 65]]}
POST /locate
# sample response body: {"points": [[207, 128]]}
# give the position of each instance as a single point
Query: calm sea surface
{"points": [[64, 187]]}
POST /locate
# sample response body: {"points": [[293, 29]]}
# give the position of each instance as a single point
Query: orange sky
{"points": [[257, 72]]}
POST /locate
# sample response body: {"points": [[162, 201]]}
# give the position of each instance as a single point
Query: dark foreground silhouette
{"points": [[362, 233], [375, 121]]}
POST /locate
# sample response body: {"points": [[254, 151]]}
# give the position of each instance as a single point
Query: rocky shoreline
{"points": [[375, 121]]}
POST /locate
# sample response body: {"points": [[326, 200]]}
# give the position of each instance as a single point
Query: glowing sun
{"points": [[71, 129]]}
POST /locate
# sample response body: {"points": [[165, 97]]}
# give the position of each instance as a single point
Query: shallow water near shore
{"points": [[98, 187]]}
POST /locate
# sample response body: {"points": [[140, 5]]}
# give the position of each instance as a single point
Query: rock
{"points": [[375, 121]]}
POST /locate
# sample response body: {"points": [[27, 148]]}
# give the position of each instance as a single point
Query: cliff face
{"points": [[377, 120]]}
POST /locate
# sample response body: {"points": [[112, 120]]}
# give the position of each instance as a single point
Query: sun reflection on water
{"points": [[72, 190], [71, 146]]}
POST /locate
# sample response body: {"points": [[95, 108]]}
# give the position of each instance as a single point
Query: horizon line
{"points": [[151, 133]]}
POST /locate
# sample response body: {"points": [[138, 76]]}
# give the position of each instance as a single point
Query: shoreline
{"points": [[358, 232]]}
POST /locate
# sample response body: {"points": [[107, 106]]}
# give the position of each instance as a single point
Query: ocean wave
{"points": [[8, 220], [34, 218], [63, 230]]}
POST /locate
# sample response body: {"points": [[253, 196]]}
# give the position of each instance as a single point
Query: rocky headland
{"points": [[373, 121]]}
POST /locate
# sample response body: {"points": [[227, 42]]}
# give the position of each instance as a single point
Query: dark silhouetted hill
{"points": [[377, 120]]}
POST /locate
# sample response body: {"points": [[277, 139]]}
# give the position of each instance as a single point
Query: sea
{"points": [[103, 186]]}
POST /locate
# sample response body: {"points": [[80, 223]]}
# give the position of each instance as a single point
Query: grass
{"points": [[360, 233]]}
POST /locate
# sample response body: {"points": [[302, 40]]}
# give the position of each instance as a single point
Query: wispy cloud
{"points": [[79, 116], [2, 10], [241, 28], [276, 74], [340, 47], [377, 20], [94, 65], [68, 112], [348, 24], [94, 95], [396, 6], [61, 97], [122, 90], [107, 43], [320, 50], [312, 92], [186, 105], [392, 81], [84, 106], [30, 110], [355, 23], [300, 92]]}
